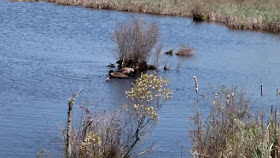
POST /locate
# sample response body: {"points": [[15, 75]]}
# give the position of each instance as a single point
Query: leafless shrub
{"points": [[101, 135], [118, 133], [136, 40]]}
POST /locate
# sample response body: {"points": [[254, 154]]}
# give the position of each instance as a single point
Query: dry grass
{"points": [[232, 129], [261, 15], [101, 136], [136, 42], [135, 39], [185, 51]]}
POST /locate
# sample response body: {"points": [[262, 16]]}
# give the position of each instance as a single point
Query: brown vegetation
{"points": [[236, 14], [136, 43], [116, 134], [232, 129], [185, 51]]}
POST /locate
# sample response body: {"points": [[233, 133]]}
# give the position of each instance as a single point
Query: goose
{"points": [[170, 52], [113, 74], [151, 67], [165, 67], [111, 65], [126, 70]]}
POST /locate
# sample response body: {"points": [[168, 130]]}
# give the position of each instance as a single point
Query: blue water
{"points": [[48, 52]]}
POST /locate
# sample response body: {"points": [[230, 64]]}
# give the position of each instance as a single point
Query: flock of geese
{"points": [[122, 73]]}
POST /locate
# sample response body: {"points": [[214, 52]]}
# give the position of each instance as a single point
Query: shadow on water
{"points": [[48, 52]]}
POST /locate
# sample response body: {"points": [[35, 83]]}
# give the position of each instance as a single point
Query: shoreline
{"points": [[259, 17]]}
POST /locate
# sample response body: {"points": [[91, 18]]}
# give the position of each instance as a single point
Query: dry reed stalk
{"points": [[262, 114], [68, 150], [197, 121], [261, 89], [230, 131], [233, 116], [228, 97], [196, 84]]}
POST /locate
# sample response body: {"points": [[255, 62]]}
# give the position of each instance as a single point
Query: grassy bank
{"points": [[261, 15]]}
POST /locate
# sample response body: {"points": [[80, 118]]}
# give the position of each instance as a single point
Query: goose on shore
{"points": [[120, 75]]}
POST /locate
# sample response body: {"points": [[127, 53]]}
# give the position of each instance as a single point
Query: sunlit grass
{"points": [[237, 14]]}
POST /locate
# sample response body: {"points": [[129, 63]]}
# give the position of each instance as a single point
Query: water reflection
{"points": [[48, 52]]}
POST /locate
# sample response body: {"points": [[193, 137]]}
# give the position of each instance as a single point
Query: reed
{"points": [[261, 15], [233, 130]]}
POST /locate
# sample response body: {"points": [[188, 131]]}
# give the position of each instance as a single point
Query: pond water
{"points": [[48, 52]]}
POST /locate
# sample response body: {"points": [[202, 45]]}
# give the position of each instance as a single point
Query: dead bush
{"points": [[136, 40], [116, 135]]}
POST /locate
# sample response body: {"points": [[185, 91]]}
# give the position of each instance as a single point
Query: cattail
{"points": [[215, 98], [261, 89], [277, 93], [228, 100], [232, 98], [196, 84]]}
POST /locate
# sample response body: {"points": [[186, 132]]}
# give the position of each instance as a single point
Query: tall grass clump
{"points": [[117, 134], [232, 129], [185, 51], [136, 41]]}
